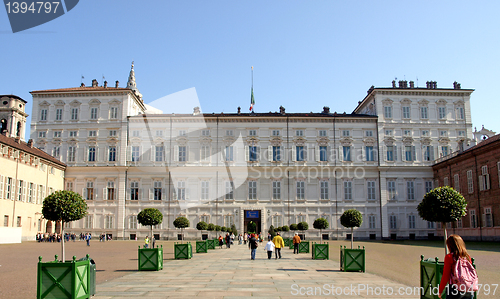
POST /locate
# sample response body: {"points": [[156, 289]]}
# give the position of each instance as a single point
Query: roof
{"points": [[84, 88], [12, 96], [267, 114], [481, 144], [23, 146]]}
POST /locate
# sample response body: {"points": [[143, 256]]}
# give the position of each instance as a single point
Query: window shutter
{"points": [[97, 152], [247, 153], [86, 154], [24, 191], [96, 194], [152, 154], [104, 193], [187, 191], [328, 153], [187, 153], [223, 153], [487, 181], [129, 153], [1, 186], [270, 153], [176, 153], [84, 193], [413, 154], [141, 194], [341, 153], [294, 153], [395, 152], [317, 153], [127, 195], [384, 152], [432, 152], [151, 194], [163, 194], [363, 153], [481, 183]]}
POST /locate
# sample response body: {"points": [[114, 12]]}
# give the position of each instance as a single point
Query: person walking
{"points": [[296, 242], [252, 245], [269, 248], [88, 237], [278, 243], [245, 238], [221, 242], [228, 241], [458, 258], [146, 242]]}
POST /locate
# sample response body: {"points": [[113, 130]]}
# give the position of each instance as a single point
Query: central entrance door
{"points": [[255, 216]]}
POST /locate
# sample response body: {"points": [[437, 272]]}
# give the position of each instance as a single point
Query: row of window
{"points": [[22, 190], [18, 222], [74, 133], [483, 178], [74, 113], [423, 133], [424, 112]]}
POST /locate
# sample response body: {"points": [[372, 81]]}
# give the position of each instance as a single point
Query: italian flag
{"points": [[252, 101]]}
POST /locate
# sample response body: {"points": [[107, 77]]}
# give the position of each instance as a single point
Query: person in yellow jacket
{"points": [[278, 244]]}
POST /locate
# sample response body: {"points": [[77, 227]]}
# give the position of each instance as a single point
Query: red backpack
{"points": [[464, 275]]}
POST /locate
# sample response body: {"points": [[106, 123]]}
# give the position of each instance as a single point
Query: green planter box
{"points": [[303, 247], [291, 245], [431, 271], [352, 260], [201, 247], [211, 244], [320, 251], [150, 259], [183, 251], [69, 279]]}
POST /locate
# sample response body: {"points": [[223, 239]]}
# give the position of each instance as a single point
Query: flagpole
{"points": [[252, 77]]}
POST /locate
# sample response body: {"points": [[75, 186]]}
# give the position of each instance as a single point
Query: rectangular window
{"points": [[205, 152], [43, 114], [488, 220], [159, 133], [391, 190], [157, 190], [425, 133], [299, 133], [112, 153], [73, 133], [135, 133], [324, 194], [276, 220], [300, 153], [345, 133], [276, 132], [428, 186], [132, 222], [69, 186], [407, 132], [276, 190], [229, 133], [159, 153], [444, 151], [276, 153], [322, 133], [473, 219], [460, 113], [92, 153], [252, 190], [6, 220], [370, 185], [388, 132], [134, 190], [423, 113], [387, 111], [347, 190], [300, 190], [393, 222], [406, 112], [30, 192], [181, 190], [430, 225], [135, 153], [19, 221], [56, 151], [456, 182], [113, 113], [228, 220], [111, 191], [229, 190], [205, 189], [229, 154], [112, 133], [93, 113], [408, 153], [346, 151], [442, 112], [42, 134], [205, 132], [252, 153], [470, 183], [369, 153], [20, 192], [59, 114], [108, 222], [182, 133], [57, 134], [410, 190], [411, 221], [90, 191], [8, 189], [390, 153], [369, 133], [252, 132], [93, 133], [484, 179], [182, 153], [71, 153], [371, 221], [428, 153], [323, 153], [88, 222], [74, 113]]}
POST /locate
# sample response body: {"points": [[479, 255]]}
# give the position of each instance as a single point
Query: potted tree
{"points": [[293, 228], [211, 243], [304, 245], [352, 259], [71, 277], [150, 258], [201, 246], [285, 229], [442, 204], [320, 251], [182, 251]]}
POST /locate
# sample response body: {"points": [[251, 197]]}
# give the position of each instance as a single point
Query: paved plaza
{"points": [[229, 273]]}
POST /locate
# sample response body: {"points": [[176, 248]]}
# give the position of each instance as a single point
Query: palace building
{"points": [[232, 168]]}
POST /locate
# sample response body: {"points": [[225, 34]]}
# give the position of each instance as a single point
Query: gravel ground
{"points": [[398, 261]]}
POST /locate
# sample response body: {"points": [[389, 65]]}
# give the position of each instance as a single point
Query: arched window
{"points": [[18, 134], [4, 125]]}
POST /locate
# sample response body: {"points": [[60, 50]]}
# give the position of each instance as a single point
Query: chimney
{"points": [[459, 86], [434, 84], [17, 139], [412, 84], [428, 84], [239, 110], [82, 85], [30, 143], [400, 83], [282, 110], [326, 110], [393, 83], [116, 83], [94, 83], [105, 84]]}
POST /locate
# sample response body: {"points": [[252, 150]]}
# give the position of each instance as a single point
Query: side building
{"points": [[270, 168], [28, 175]]}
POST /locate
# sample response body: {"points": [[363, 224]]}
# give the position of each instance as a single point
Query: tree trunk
{"points": [[62, 242], [151, 240], [352, 237], [445, 237], [320, 237]]}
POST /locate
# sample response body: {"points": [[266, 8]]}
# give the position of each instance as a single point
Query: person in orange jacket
{"points": [[296, 242]]}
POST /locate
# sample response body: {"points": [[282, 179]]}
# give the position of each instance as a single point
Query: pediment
{"points": [[252, 140], [407, 140], [114, 102], [322, 141], [60, 103], [369, 141], [458, 102], [387, 101], [426, 141], [423, 102], [205, 140], [94, 102], [75, 103], [44, 103], [346, 141], [406, 101], [441, 102]]}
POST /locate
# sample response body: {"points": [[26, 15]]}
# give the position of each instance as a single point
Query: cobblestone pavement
{"points": [[227, 273]]}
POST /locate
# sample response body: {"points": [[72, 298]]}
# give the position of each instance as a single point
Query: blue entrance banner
{"points": [[252, 214]]}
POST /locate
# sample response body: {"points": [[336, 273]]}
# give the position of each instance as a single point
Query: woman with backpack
{"points": [[458, 271]]}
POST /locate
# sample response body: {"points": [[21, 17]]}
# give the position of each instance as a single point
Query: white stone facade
{"points": [[290, 167]]}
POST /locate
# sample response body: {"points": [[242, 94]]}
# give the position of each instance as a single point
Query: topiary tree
{"points": [[217, 229], [151, 217], [303, 226], [351, 218], [182, 223], [252, 227], [211, 227], [320, 223], [64, 206], [285, 228], [272, 231], [442, 204], [201, 226], [293, 227], [223, 229]]}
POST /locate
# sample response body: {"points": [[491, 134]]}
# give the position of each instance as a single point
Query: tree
{"points": [[285, 228], [202, 225], [217, 228], [211, 227], [320, 223], [234, 230], [64, 206], [442, 204], [272, 231], [351, 218], [223, 229], [151, 217], [252, 227], [303, 226], [293, 227], [182, 223]]}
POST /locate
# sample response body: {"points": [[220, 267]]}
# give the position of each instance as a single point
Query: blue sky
{"points": [[306, 54]]}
